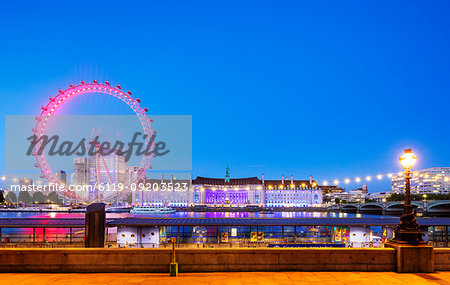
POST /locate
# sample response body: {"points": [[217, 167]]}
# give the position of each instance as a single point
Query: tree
{"points": [[129, 198], [2, 197], [25, 197], [11, 197], [39, 197], [54, 198], [396, 197]]}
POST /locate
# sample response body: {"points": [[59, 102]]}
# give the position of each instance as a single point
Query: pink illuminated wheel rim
{"points": [[88, 88]]}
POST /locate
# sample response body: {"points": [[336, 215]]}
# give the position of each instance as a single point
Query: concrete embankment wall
{"points": [[196, 260]]}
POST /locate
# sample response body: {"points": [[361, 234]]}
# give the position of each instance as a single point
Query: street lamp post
{"points": [[408, 230]]}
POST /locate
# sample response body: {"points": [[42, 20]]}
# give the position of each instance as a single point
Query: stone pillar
{"points": [[413, 258], [95, 224]]}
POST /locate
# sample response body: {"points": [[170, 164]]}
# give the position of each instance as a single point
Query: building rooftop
{"points": [[221, 181], [297, 183]]}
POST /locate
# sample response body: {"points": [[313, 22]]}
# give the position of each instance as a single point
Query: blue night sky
{"points": [[335, 89]]}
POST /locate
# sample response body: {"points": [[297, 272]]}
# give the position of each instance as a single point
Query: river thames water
{"points": [[196, 215], [26, 234]]}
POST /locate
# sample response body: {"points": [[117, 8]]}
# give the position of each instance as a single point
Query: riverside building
{"points": [[252, 191], [161, 192], [292, 193], [435, 180], [233, 192]]}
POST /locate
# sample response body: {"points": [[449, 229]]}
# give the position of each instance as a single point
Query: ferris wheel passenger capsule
{"points": [[150, 120], [129, 92], [118, 86], [36, 165], [83, 82], [70, 85], [95, 81], [145, 110], [42, 176], [38, 118], [107, 82], [60, 91], [138, 100]]}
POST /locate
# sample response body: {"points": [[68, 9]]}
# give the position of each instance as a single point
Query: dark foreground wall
{"points": [[195, 260]]}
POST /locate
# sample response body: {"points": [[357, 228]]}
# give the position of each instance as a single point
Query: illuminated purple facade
{"points": [[219, 191], [254, 191], [226, 197]]}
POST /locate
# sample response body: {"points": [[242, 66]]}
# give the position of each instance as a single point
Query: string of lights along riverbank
{"points": [[442, 176]]}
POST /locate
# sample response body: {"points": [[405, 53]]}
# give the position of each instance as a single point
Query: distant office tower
{"points": [[61, 176], [131, 175], [80, 168], [435, 180], [106, 169], [72, 178]]}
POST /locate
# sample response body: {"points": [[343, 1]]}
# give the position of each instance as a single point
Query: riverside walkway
{"points": [[251, 278]]}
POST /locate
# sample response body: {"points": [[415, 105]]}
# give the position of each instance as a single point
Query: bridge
{"points": [[432, 208]]}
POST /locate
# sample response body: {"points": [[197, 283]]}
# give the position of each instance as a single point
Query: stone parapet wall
{"points": [[195, 260], [442, 259]]}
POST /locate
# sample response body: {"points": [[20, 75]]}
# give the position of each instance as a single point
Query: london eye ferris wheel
{"points": [[65, 97]]}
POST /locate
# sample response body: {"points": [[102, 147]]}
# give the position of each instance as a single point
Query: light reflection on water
{"points": [[197, 215], [53, 233]]}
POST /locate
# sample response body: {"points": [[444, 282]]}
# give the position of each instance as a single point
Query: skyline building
{"points": [[62, 176], [131, 175], [156, 196], [107, 169], [80, 167], [434, 180], [292, 193]]}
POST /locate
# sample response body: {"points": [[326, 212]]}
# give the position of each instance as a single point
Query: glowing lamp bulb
{"points": [[408, 159], [347, 180]]}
